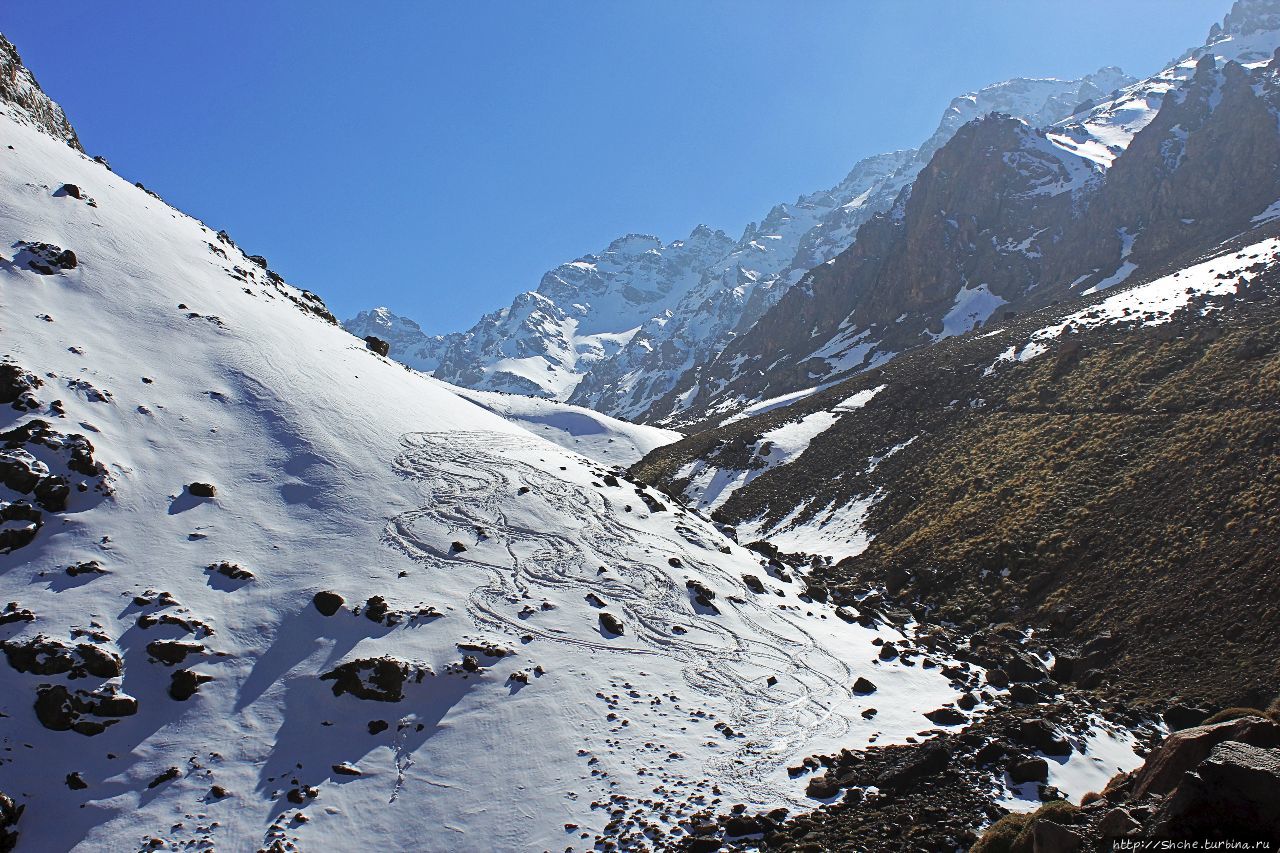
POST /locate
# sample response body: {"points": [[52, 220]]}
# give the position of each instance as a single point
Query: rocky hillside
{"points": [[616, 331], [1089, 469], [1007, 218]]}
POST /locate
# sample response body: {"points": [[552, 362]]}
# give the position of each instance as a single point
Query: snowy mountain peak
{"points": [[22, 99], [633, 244]]}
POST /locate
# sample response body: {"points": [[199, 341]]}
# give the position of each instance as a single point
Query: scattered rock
{"points": [[202, 490], [76, 782], [89, 567], [10, 812], [328, 603], [1029, 770], [377, 345], [377, 726], [611, 624], [231, 570], [946, 717], [346, 769], [173, 652], [167, 776], [863, 687], [373, 679], [822, 786], [185, 683]]}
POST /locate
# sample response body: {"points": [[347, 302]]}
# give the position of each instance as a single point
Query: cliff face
{"points": [[25, 102], [1005, 219]]}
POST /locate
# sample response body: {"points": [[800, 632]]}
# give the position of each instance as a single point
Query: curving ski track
{"points": [[469, 479]]}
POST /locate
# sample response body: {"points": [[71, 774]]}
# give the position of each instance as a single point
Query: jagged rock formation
{"points": [[22, 99]]}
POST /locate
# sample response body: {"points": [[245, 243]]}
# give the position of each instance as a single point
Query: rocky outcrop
{"points": [[24, 101]]}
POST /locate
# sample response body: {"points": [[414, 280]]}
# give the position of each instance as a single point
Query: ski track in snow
{"points": [[467, 479]]}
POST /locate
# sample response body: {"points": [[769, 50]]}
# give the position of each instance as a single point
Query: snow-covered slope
{"points": [[169, 678], [601, 438]]}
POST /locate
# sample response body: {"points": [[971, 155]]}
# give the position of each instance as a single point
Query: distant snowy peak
{"points": [[1038, 101], [633, 279], [408, 343], [22, 99]]}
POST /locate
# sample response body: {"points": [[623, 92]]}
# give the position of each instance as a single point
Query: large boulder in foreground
{"points": [[1184, 750]]}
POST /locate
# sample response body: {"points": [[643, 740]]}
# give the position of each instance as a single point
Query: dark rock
{"points": [[376, 609], [71, 190], [377, 344], [998, 678], [741, 824], [202, 490], [611, 624], [1029, 770], [99, 662], [89, 567], [991, 752], [1178, 717], [967, 702], [816, 591], [173, 652], [13, 613], [1042, 735], [929, 760], [458, 547], [377, 726], [10, 812], [185, 683], [946, 717], [471, 663], [218, 792], [1117, 823], [328, 603], [1051, 837], [701, 594], [754, 584], [345, 769], [822, 786], [167, 776], [374, 679], [232, 571], [76, 782]]}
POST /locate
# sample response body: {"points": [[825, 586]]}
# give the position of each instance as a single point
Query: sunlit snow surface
{"points": [[339, 470], [1153, 303]]}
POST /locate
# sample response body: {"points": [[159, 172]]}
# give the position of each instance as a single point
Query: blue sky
{"points": [[439, 157]]}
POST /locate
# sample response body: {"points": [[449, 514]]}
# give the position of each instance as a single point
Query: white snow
{"points": [[1103, 752], [972, 307], [1153, 303], [607, 440], [338, 469]]}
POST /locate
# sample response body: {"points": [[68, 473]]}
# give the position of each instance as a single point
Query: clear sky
{"points": [[439, 157]]}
